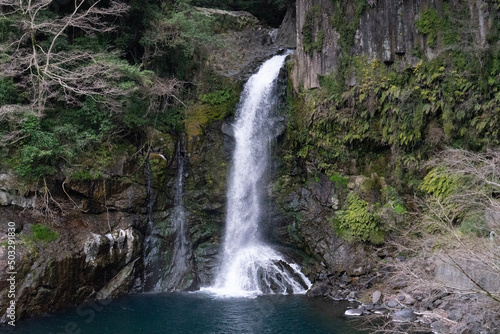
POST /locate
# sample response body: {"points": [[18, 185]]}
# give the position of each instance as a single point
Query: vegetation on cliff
{"points": [[81, 77], [417, 138]]}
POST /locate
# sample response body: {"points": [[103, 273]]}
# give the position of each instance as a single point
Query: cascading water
{"points": [[181, 269], [168, 259], [250, 266], [150, 249]]}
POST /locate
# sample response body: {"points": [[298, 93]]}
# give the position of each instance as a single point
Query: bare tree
{"points": [[460, 222], [45, 70]]}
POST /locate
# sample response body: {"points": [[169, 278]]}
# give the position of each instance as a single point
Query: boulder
{"points": [[405, 315], [376, 297]]}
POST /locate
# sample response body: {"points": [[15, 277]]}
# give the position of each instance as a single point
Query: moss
{"points": [[346, 25], [43, 233], [310, 41], [85, 175], [338, 179], [428, 24]]}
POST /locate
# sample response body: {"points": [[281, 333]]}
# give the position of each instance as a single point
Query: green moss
{"points": [[310, 41], [346, 25], [428, 24], [338, 179], [43, 233]]}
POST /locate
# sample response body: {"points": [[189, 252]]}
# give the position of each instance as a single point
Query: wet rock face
{"points": [[287, 34], [205, 199], [301, 221], [78, 265], [308, 66], [386, 32]]}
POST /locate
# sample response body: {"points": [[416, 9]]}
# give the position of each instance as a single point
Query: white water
{"points": [[250, 266]]}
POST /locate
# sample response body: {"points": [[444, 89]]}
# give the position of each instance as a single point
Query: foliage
{"points": [[43, 233], [428, 24], [405, 114], [462, 187], [89, 94], [438, 182], [338, 179], [393, 200], [310, 41], [346, 25], [217, 97], [179, 39], [358, 223], [39, 150], [9, 93]]}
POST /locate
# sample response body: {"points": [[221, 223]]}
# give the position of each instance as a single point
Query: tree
{"points": [[43, 62]]}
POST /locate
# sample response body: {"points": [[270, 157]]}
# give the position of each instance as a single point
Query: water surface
{"points": [[196, 313]]}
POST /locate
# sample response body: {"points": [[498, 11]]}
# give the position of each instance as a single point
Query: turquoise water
{"points": [[195, 313]]}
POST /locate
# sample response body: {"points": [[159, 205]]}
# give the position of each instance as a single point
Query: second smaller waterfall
{"points": [[181, 266]]}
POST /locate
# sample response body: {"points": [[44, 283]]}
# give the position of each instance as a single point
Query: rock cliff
{"points": [[383, 30]]}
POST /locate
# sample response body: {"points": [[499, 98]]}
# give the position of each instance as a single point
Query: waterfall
{"points": [[150, 249], [168, 259], [181, 268], [249, 266]]}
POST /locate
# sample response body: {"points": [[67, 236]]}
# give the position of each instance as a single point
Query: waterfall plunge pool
{"points": [[193, 313]]}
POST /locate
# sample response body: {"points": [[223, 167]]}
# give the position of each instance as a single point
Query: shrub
{"points": [[217, 97], [358, 223]]}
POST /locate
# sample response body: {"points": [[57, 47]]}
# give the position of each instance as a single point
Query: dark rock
{"points": [[368, 307], [405, 315], [440, 327], [392, 304], [455, 315], [437, 302], [287, 34], [399, 284], [318, 289]]}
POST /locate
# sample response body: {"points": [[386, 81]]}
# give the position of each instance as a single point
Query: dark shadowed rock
{"points": [[405, 315]]}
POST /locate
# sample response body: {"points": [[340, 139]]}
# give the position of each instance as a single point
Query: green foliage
{"points": [[438, 182], [346, 25], [217, 97], [43, 233], [428, 24], [59, 138], [338, 179], [358, 223], [310, 41], [8, 28], [474, 224], [9, 93], [408, 114], [393, 200], [38, 152], [448, 25], [184, 35]]}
